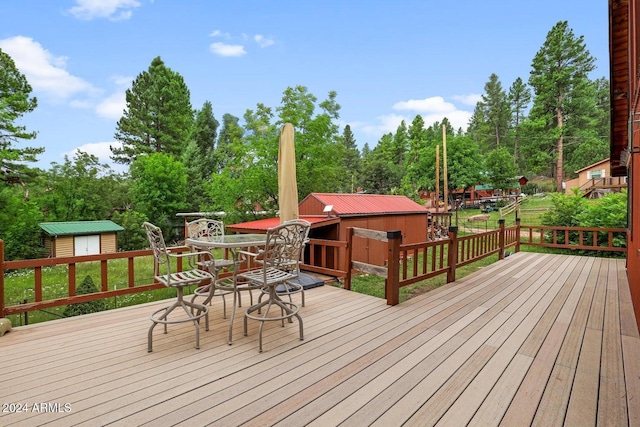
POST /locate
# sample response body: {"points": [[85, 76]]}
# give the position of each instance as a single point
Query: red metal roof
{"points": [[367, 204], [261, 225]]}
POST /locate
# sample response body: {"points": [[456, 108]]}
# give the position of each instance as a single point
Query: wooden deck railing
{"points": [[406, 263], [322, 258], [411, 263], [580, 238]]}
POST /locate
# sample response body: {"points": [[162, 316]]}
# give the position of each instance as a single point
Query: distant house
{"points": [[331, 214], [595, 180], [473, 195], [75, 238]]}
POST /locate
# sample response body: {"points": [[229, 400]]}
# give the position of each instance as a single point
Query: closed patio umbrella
{"points": [[287, 184]]}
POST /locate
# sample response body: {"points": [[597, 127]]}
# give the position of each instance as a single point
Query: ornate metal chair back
{"points": [[284, 245], [210, 229]]}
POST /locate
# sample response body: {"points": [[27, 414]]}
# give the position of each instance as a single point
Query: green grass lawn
{"points": [[19, 286], [530, 210]]}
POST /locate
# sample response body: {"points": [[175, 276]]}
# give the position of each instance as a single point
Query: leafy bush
{"points": [[86, 287], [566, 210]]}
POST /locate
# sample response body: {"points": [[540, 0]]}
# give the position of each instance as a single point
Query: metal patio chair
{"points": [[164, 274], [280, 263], [211, 229]]}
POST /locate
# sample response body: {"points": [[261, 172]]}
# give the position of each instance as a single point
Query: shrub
{"points": [[86, 287]]}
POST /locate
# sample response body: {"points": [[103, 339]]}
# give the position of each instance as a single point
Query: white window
{"points": [[596, 174], [87, 245]]}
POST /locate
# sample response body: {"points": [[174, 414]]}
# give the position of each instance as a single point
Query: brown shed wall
{"points": [[412, 226], [108, 243], [63, 246]]}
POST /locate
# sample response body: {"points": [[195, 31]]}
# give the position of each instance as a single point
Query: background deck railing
{"points": [[412, 263], [406, 263]]}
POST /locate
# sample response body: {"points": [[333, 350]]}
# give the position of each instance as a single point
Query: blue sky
{"points": [[387, 60]]}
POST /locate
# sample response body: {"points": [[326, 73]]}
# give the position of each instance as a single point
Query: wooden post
{"points": [[517, 235], [452, 255], [501, 238], [348, 257], [444, 161], [392, 284], [437, 178]]}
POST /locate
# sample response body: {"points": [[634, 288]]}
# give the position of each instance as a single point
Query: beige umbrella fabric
{"points": [[287, 183]]}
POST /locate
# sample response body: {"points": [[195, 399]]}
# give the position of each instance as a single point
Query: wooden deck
{"points": [[532, 340]]}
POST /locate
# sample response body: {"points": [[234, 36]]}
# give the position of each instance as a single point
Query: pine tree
{"points": [[351, 159], [519, 98], [559, 78], [158, 117], [15, 101]]}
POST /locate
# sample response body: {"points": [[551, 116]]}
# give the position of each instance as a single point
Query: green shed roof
{"points": [[79, 227]]}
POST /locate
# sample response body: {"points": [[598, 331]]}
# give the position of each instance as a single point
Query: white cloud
{"points": [[433, 109], [471, 99], [386, 123], [429, 105], [224, 49], [218, 33], [112, 106], [114, 10], [263, 41], [45, 72], [102, 151]]}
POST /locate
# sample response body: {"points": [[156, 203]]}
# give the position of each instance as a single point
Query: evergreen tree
{"points": [[490, 120], [496, 110], [205, 133], [560, 81], [230, 148], [199, 157], [158, 117], [352, 160], [86, 287], [15, 101], [417, 146], [519, 99]]}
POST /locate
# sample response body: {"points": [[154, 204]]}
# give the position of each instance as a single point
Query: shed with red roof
{"points": [[331, 214]]}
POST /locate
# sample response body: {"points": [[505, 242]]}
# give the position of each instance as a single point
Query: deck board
{"points": [[535, 339]]}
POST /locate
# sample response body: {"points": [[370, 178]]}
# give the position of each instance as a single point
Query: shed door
{"points": [[87, 245]]}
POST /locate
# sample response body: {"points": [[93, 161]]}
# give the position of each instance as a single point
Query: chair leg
{"points": [[189, 307]]}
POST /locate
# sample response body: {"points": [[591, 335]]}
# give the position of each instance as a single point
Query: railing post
{"points": [[452, 256], [392, 284], [1, 278], [517, 249], [501, 238], [348, 257]]}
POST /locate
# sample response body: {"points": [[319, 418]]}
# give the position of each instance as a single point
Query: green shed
{"points": [[76, 238]]}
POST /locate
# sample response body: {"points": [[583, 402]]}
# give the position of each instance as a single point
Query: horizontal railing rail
{"points": [[577, 238]]}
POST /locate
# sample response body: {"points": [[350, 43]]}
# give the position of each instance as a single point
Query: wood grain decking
{"points": [[535, 339]]}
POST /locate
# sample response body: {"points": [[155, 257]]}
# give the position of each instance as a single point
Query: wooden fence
{"points": [[323, 254], [406, 263], [411, 263]]}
